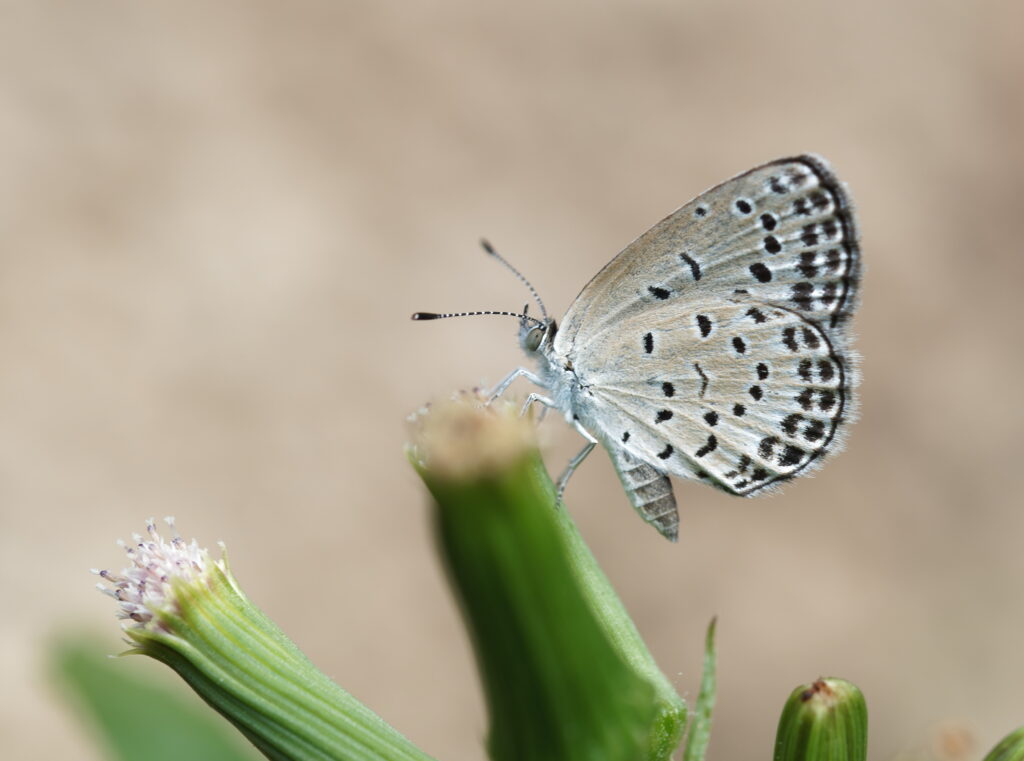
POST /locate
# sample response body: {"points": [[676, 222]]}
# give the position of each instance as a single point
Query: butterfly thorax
{"points": [[556, 370], [563, 383]]}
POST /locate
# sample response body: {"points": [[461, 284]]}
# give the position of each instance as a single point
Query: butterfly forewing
{"points": [[782, 234], [735, 393]]}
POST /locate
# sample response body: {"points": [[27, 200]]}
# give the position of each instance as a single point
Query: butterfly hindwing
{"points": [[738, 394]]}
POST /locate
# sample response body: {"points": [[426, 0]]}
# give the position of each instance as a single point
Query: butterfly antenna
{"points": [[436, 316], [490, 250]]}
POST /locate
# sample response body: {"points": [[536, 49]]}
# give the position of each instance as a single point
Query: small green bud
{"points": [[1010, 748], [823, 721]]}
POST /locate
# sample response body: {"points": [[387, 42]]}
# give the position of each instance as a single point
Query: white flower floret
{"points": [[145, 588]]}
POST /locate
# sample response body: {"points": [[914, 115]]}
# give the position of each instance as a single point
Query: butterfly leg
{"points": [[563, 480], [500, 388], [545, 402]]}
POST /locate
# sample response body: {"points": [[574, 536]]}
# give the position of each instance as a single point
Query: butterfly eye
{"points": [[533, 338]]}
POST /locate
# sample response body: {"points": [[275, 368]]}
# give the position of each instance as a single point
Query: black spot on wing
{"points": [[791, 423], [756, 315], [648, 343], [806, 266], [811, 340], [665, 453], [804, 370], [791, 456], [760, 272], [789, 339], [815, 430], [710, 446], [828, 296], [694, 266], [663, 415], [704, 324], [802, 295], [703, 379], [659, 293]]}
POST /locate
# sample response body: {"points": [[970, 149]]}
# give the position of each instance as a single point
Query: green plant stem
{"points": [[564, 670], [240, 663]]}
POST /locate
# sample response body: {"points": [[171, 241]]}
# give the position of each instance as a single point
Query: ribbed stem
{"points": [[240, 663], [565, 672]]}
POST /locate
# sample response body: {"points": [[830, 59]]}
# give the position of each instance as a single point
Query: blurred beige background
{"points": [[216, 218]]}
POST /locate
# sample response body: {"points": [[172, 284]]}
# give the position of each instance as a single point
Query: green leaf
{"points": [[823, 721], [135, 718], [699, 733], [1010, 748]]}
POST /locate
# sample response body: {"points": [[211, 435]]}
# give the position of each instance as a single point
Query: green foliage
{"points": [[135, 718], [1010, 748], [565, 673], [698, 734]]}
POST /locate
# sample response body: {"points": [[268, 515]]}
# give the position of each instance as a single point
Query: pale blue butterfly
{"points": [[715, 346]]}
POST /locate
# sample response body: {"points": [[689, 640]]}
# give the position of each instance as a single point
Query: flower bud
{"points": [[823, 721]]}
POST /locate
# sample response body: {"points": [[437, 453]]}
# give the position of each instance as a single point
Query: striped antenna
{"points": [[490, 250], [436, 316]]}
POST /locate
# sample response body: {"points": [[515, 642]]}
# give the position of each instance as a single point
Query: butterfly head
{"points": [[536, 336]]}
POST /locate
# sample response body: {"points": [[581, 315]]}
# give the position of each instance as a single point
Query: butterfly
{"points": [[714, 347]]}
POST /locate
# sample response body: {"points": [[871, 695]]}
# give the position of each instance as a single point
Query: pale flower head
{"points": [[145, 587]]}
